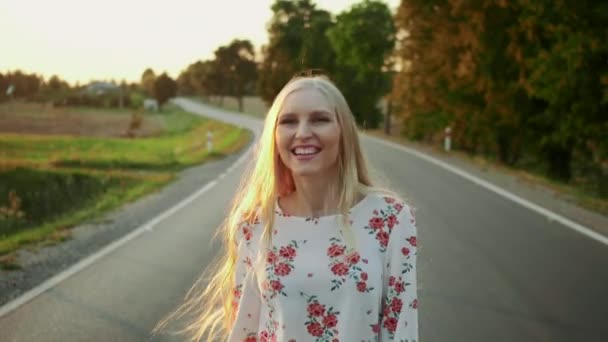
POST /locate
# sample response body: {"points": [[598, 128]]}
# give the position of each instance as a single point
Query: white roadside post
{"points": [[447, 141], [10, 91], [209, 141]]}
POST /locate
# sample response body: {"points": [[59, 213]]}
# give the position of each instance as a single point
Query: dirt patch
{"points": [[23, 118]]}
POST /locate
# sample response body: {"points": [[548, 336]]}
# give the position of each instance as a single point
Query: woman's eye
{"points": [[320, 120], [287, 121]]}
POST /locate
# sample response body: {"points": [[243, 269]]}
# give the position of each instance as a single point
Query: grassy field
{"points": [[84, 164]]}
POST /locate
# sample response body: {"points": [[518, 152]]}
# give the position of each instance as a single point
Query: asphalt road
{"points": [[489, 269]]}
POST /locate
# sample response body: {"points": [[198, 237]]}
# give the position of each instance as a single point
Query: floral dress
{"points": [[317, 289]]}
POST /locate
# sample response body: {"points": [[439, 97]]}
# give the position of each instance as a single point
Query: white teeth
{"points": [[306, 150]]}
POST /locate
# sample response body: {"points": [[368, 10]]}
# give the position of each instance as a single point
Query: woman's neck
{"points": [[313, 197]]}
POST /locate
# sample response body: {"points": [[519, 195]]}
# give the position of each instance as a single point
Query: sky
{"points": [[84, 40]]}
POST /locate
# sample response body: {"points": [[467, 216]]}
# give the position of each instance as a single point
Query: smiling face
{"points": [[307, 134]]}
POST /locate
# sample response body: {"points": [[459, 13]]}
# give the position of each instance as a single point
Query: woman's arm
{"points": [[399, 312]]}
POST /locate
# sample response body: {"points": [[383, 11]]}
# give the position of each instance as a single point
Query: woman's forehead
{"points": [[306, 100]]}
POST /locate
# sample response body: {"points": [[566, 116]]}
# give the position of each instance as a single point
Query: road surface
{"points": [[489, 268]]}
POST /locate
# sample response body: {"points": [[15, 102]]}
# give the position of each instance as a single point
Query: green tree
{"points": [[147, 82], [164, 88], [297, 41], [236, 64], [363, 40]]}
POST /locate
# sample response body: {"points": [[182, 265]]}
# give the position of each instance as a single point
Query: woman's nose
{"points": [[303, 131]]}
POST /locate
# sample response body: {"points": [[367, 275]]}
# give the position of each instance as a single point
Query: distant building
{"points": [[100, 88], [151, 104]]}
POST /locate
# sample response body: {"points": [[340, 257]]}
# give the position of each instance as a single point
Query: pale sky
{"points": [[82, 40]]}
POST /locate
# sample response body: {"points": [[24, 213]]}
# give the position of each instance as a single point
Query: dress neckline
{"points": [[281, 213]]}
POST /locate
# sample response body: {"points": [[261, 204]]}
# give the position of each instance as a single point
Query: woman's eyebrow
{"points": [[314, 112], [321, 111]]}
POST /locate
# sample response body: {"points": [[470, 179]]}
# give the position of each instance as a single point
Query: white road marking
{"points": [[500, 191]]}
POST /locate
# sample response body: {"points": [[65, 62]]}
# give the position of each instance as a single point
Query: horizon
{"points": [[81, 41]]}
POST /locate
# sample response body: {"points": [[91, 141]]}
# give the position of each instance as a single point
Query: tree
{"points": [[363, 39], [148, 81], [297, 41], [164, 88], [236, 63], [55, 83]]}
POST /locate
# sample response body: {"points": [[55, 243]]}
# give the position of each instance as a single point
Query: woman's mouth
{"points": [[305, 152]]}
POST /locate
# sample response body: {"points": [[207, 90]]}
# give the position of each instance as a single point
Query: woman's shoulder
{"points": [[388, 207], [386, 201]]}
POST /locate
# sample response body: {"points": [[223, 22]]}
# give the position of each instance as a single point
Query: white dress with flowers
{"points": [[315, 289]]}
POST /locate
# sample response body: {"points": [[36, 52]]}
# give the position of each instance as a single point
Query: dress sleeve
{"points": [[246, 296], [399, 314]]}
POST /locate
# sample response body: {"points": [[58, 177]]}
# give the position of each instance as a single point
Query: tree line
{"points": [[353, 48], [523, 81]]}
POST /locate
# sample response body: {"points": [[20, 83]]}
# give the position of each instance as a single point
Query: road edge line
{"points": [[590, 233]]}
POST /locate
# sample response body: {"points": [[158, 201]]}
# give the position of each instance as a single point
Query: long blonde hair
{"points": [[211, 310]]}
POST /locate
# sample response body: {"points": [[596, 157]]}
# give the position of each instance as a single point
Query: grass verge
{"points": [[50, 183]]}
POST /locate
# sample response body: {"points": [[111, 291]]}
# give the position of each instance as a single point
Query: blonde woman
{"points": [[314, 251]]}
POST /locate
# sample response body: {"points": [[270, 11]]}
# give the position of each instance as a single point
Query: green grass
{"points": [[60, 181]]}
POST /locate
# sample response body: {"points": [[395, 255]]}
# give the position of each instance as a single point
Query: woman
{"points": [[315, 252]]}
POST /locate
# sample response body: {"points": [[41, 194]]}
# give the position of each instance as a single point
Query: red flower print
{"points": [[361, 286], [376, 328], [391, 281], [287, 252], [335, 250], [396, 305], [391, 221], [382, 236], [353, 258], [250, 339], [316, 309], [282, 269], [276, 285], [390, 323], [415, 304], [386, 311], [376, 223], [340, 269], [236, 293], [398, 207], [412, 241], [405, 251], [264, 336], [315, 329], [247, 233], [330, 321], [271, 258], [399, 287], [363, 276], [389, 200]]}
